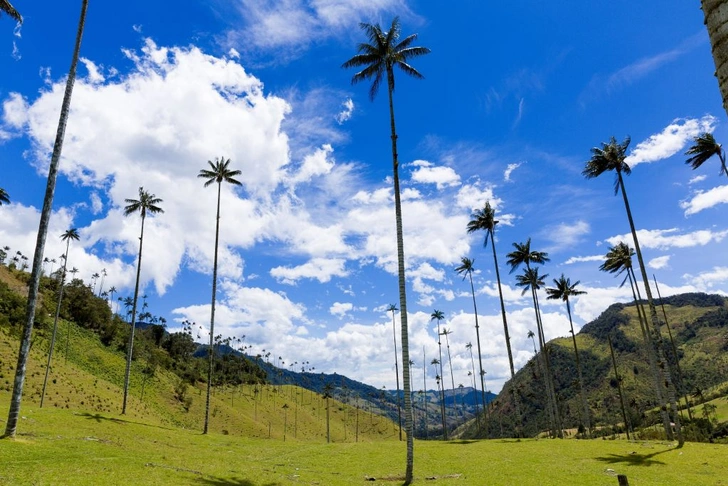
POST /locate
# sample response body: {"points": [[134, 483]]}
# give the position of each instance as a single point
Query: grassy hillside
{"points": [[63, 447], [699, 325]]}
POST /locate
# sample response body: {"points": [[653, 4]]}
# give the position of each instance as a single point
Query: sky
{"points": [[513, 99]]}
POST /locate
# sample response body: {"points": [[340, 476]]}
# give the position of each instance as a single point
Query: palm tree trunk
{"points": [[516, 404], [674, 349], [396, 373], [45, 217], [716, 20], [55, 325], [442, 389], [584, 403], [211, 351], [657, 336], [550, 388], [619, 386], [409, 424], [130, 347]]}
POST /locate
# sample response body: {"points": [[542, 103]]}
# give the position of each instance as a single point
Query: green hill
{"points": [[699, 326]]}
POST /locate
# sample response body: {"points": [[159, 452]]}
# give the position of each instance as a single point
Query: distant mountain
{"points": [[699, 326]]}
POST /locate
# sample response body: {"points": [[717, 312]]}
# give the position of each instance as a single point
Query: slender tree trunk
{"points": [[211, 351], [396, 372], [130, 347], [548, 376], [480, 359], [452, 375], [584, 403], [45, 216], [657, 336], [674, 349], [516, 401], [424, 384], [716, 20], [619, 386], [55, 325], [409, 424], [442, 389]]}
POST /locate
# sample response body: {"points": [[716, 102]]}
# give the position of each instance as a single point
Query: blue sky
{"points": [[514, 98]]}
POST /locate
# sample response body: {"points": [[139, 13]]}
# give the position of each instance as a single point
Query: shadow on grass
{"points": [[218, 481], [462, 442], [633, 459], [99, 418]]}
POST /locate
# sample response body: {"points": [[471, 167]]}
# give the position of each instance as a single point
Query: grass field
{"points": [[59, 447]]}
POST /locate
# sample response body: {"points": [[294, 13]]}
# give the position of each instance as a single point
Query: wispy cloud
{"points": [[579, 259], [670, 238], [627, 75], [671, 140], [345, 114], [566, 235], [696, 179], [659, 262], [509, 170]]}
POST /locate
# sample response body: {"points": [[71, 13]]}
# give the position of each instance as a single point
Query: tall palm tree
{"points": [[705, 147], [446, 332], [484, 219], [530, 336], [112, 291], [469, 347], [7, 8], [611, 157], [393, 308], [4, 197], [619, 385], [71, 234], [147, 203], [101, 285], [438, 367], [466, 269], [617, 260], [378, 58], [533, 281], [45, 215], [524, 255], [562, 290], [438, 315], [716, 17], [218, 172]]}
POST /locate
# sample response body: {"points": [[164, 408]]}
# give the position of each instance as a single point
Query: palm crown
{"points": [[70, 234], [437, 315], [563, 289], [609, 157], [618, 259], [522, 254], [146, 203], [466, 267], [4, 197], [483, 219], [219, 173], [382, 53], [704, 148], [530, 279]]}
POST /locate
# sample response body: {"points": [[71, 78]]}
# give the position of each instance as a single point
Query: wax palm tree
{"points": [[328, 390], [703, 149], [562, 290], [45, 215], [438, 366], [101, 285], [68, 236], [112, 291], [378, 58], [530, 336], [466, 269], [146, 204], [7, 8], [716, 17], [618, 379], [218, 172], [611, 157], [393, 308], [531, 280], [4, 197], [446, 332], [617, 260], [438, 316], [469, 347]]}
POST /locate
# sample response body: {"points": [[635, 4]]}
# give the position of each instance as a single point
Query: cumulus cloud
{"points": [[320, 269], [428, 173], [705, 200], [580, 259], [708, 280], [659, 262], [671, 140]]}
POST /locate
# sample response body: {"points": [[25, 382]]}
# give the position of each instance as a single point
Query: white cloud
{"points": [[340, 309], [666, 239], [705, 200], [696, 179], [320, 269], [94, 74], [579, 259], [671, 140], [659, 262], [428, 173], [345, 114], [509, 170], [708, 280], [566, 235]]}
